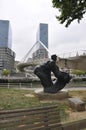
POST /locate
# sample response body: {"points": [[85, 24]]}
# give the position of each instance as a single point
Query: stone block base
{"points": [[77, 104], [48, 96]]}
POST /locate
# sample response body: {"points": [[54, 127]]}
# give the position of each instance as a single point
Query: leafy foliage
{"points": [[70, 10], [78, 72], [5, 72]]}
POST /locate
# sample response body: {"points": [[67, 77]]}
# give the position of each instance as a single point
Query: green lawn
{"points": [[20, 99], [77, 84], [17, 98]]}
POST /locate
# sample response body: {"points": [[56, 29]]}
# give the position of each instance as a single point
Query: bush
{"points": [[5, 72], [78, 72]]}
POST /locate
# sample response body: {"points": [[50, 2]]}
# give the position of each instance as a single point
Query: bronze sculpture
{"points": [[44, 74]]}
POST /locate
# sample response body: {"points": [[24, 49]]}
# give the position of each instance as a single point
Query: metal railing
{"points": [[20, 85], [73, 54]]}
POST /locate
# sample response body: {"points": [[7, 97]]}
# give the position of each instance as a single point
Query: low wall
{"points": [[77, 125], [73, 63], [37, 118]]}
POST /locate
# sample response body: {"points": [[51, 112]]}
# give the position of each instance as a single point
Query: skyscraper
{"points": [[42, 39], [42, 34], [5, 34], [7, 56]]}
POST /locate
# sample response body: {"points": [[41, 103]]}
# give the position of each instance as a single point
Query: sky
{"points": [[25, 16]]}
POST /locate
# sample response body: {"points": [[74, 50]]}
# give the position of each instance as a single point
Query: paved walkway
{"points": [[65, 89], [75, 88]]}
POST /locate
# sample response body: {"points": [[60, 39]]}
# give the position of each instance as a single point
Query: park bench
{"points": [[41, 118]]}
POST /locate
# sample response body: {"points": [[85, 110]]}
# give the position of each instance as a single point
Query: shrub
{"points": [[5, 72], [78, 72]]}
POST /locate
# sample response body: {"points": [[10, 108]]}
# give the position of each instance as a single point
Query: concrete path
{"points": [[75, 88], [65, 89]]}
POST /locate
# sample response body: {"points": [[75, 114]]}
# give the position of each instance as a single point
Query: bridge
{"points": [[36, 57], [33, 58]]}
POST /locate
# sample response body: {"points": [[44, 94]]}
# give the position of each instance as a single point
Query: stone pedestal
{"points": [[49, 96]]}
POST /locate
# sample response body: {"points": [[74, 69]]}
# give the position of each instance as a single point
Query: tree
{"points": [[5, 72], [70, 10]]}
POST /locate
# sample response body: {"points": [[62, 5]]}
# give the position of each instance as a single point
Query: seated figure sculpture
{"points": [[44, 74]]}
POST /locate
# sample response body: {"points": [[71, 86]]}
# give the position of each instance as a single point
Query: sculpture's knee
{"points": [[66, 77]]}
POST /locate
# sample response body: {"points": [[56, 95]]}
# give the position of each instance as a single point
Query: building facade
{"points": [[42, 34], [42, 39], [5, 34], [7, 56]]}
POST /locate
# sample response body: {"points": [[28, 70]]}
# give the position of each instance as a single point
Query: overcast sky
{"points": [[25, 16]]}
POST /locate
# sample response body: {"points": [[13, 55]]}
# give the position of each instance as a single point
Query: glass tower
{"points": [[42, 34], [5, 34], [42, 40]]}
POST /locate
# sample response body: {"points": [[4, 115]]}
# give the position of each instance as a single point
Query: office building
{"points": [[7, 56], [42, 34], [5, 34], [42, 39]]}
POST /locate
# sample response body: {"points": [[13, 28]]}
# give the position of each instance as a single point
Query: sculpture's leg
{"points": [[50, 89], [59, 85], [61, 82]]}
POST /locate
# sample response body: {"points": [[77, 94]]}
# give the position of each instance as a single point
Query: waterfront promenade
{"points": [[64, 89]]}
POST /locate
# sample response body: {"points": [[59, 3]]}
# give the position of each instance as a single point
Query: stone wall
{"points": [[78, 62]]}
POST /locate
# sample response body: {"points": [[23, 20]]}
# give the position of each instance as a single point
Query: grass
{"points": [[20, 99], [77, 84], [79, 93], [13, 99]]}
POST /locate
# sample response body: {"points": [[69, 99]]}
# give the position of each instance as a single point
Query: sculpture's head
{"points": [[54, 57]]}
